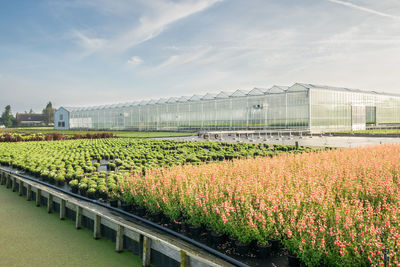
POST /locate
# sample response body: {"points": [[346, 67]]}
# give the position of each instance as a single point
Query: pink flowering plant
{"points": [[337, 207]]}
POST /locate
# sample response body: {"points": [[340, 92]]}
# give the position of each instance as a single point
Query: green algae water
{"points": [[29, 236]]}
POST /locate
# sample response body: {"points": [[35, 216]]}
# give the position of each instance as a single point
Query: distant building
{"points": [[316, 108], [29, 119], [61, 118]]}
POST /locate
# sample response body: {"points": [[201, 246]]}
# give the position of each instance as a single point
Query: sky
{"points": [[95, 52]]}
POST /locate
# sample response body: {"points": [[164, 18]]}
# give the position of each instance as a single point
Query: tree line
{"points": [[8, 120]]}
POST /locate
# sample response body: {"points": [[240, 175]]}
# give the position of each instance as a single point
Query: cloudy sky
{"points": [[92, 52]]}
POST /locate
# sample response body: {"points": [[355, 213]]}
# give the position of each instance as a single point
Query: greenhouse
{"points": [[306, 107]]}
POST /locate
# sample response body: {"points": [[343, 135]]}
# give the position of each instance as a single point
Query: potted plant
{"points": [[292, 245], [60, 180], [74, 184], [114, 195], [83, 188], [96, 165], [91, 193], [103, 192], [111, 166], [263, 249], [243, 241]]}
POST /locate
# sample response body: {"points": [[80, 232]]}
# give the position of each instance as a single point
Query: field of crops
{"points": [[79, 162], [70, 133], [375, 131], [337, 208], [27, 137], [334, 207]]}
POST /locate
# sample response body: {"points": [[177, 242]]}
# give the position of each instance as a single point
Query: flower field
{"points": [[328, 207], [78, 161], [334, 208], [29, 136]]}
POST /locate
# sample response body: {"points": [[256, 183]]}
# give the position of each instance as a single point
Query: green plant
{"points": [[74, 183]]}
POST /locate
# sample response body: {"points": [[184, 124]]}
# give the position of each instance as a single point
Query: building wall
{"points": [[61, 119], [334, 110], [233, 113], [316, 109]]}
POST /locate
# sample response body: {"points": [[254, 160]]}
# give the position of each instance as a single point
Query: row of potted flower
{"points": [[332, 208], [27, 137], [74, 159]]}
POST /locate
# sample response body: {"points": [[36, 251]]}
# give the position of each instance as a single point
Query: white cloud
{"points": [[365, 9], [89, 45], [135, 60], [159, 16], [190, 56]]}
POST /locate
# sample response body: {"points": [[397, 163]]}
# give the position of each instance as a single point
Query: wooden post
{"points": [[146, 251], [184, 259], [297, 145], [50, 203], [38, 196], [8, 181], [14, 184], [119, 241], [28, 192], [62, 209], [97, 227], [21, 188], [78, 218], [3, 178]]}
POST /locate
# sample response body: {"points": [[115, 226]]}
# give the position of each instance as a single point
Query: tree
{"points": [[48, 113], [30, 111], [7, 118]]}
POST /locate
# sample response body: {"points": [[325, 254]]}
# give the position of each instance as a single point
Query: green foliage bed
{"points": [[77, 162]]}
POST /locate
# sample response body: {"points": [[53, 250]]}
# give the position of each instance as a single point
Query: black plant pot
{"points": [[242, 248], [134, 207], [165, 219], [275, 244], [293, 261], [217, 238], [264, 251], [74, 190], [185, 228], [232, 241], [82, 192], [60, 183], [140, 211], [209, 237], [176, 226], [92, 196], [155, 217], [195, 231], [114, 203], [126, 207]]}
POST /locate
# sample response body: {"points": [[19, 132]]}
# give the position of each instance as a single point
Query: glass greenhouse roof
{"points": [[276, 89]]}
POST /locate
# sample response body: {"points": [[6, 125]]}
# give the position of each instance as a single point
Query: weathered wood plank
{"points": [[38, 196], [184, 259], [50, 203], [78, 219], [146, 251], [20, 188], [28, 192], [119, 240], [62, 209], [97, 227]]}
